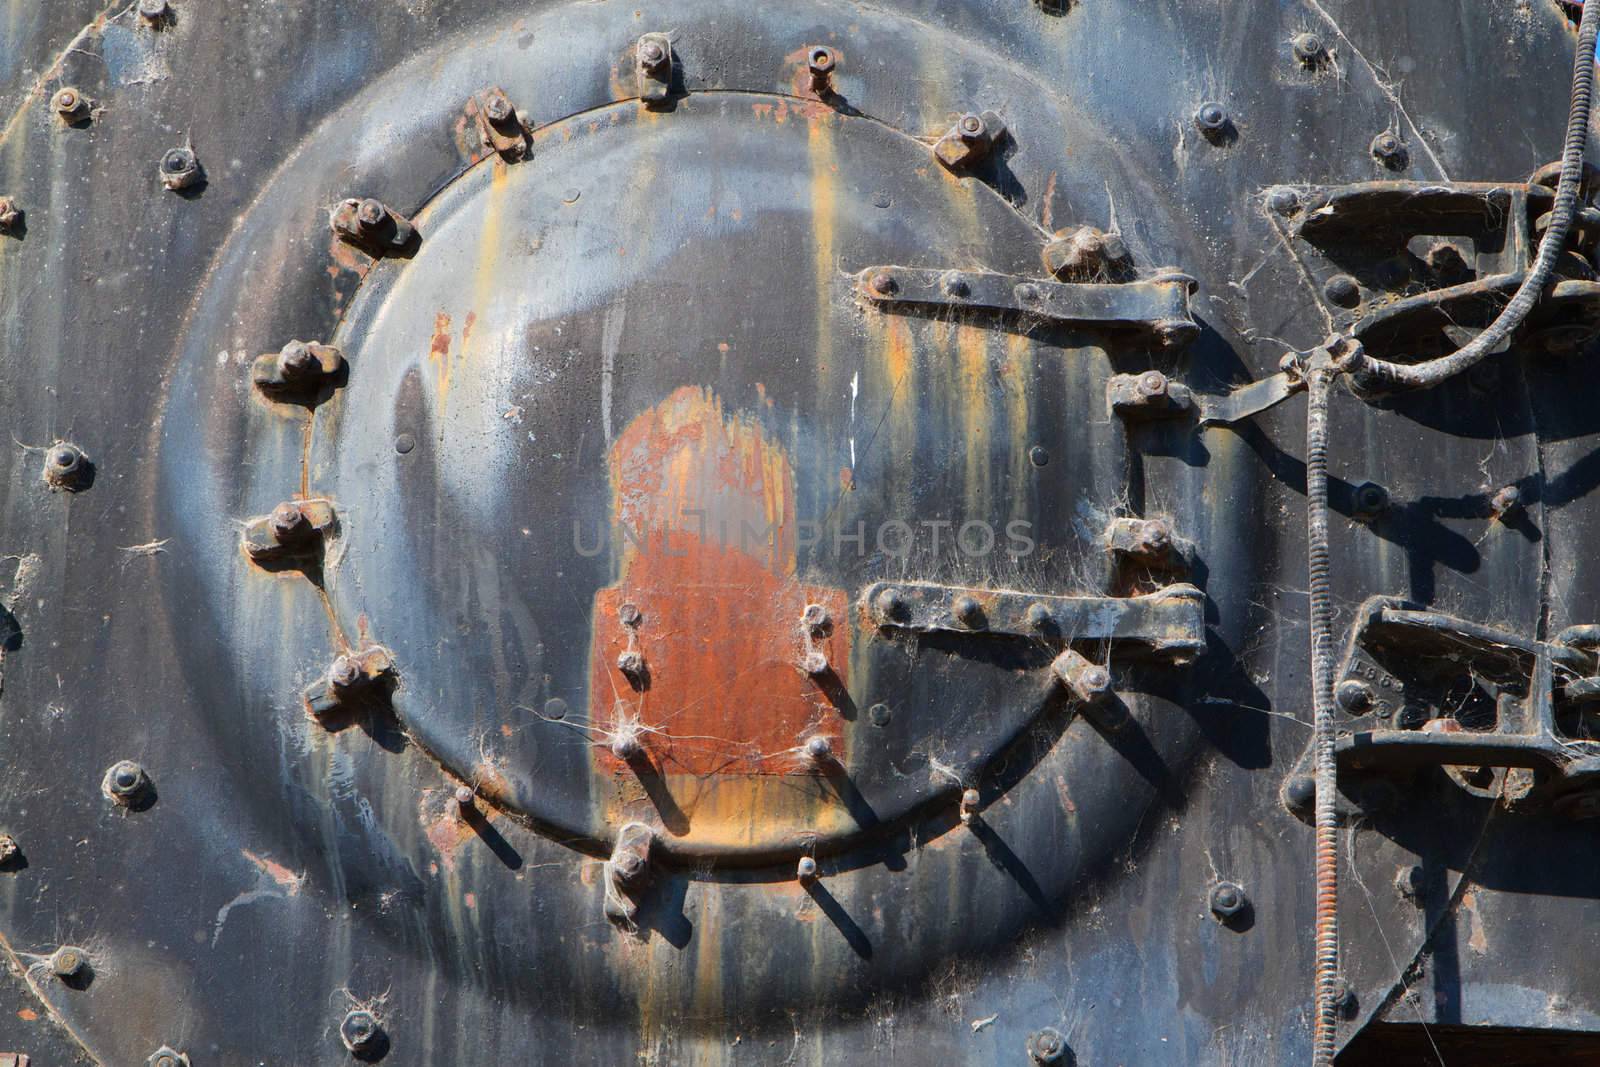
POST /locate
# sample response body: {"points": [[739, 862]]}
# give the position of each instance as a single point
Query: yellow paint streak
{"points": [[824, 207], [973, 401], [1016, 372]]}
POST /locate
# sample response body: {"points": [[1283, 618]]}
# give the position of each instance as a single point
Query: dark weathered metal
{"points": [[519, 739]]}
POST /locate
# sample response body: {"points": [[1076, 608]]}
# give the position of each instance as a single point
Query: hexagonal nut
{"points": [[69, 962], [66, 466], [1048, 1047], [126, 783], [1228, 901], [180, 169], [71, 105], [360, 1031], [166, 1056]]}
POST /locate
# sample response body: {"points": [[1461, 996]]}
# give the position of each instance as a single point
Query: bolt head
{"points": [[166, 1057], [1354, 695], [1284, 201], [970, 799], [626, 746], [1372, 500], [967, 611], [1152, 384], [819, 750], [1300, 793], [465, 796], [371, 214], [628, 866], [1211, 117], [1308, 48], [1342, 290], [971, 127], [296, 361], [1155, 537], [288, 521], [68, 101], [125, 781], [1028, 293], [1047, 1046], [954, 283], [806, 869], [67, 962], [1093, 680], [153, 10], [883, 283], [178, 160], [630, 615], [892, 606], [1506, 502], [63, 461], [652, 55], [1227, 900], [9, 849], [815, 663], [346, 673], [1039, 617], [359, 1031], [10, 213], [821, 60], [815, 619], [497, 108], [1388, 148], [631, 663]]}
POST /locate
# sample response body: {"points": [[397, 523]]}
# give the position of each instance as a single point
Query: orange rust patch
{"points": [[440, 347], [280, 874], [28, 1015], [707, 508], [471, 901]]}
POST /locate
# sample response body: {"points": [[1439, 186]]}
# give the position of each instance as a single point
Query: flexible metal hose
{"points": [[1381, 374], [1319, 381]]}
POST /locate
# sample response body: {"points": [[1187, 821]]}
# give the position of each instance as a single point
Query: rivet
{"points": [[1388, 149], [879, 715], [360, 1031], [818, 750], [1506, 502], [1284, 201], [821, 61], [1047, 1046], [1354, 695], [371, 214], [954, 283], [404, 443], [883, 283], [465, 797], [180, 169], [10, 214], [630, 616], [65, 466], [1371, 501], [1152, 384], [1227, 901], [288, 522], [970, 799], [1039, 617], [68, 962], [1038, 455], [1342, 290], [967, 611], [555, 708], [652, 55], [125, 782], [1308, 48], [806, 869], [1211, 118], [891, 605]]}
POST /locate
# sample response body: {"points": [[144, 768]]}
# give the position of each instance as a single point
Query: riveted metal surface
{"points": [[593, 441]]}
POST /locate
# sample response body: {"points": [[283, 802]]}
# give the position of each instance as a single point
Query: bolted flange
{"points": [[653, 67], [500, 127], [350, 679], [373, 227], [300, 371]]}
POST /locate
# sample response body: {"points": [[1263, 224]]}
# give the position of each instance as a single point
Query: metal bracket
{"points": [[292, 533], [1169, 623], [300, 370], [500, 126], [652, 58], [1427, 689], [1397, 264], [349, 680], [373, 227], [1157, 306]]}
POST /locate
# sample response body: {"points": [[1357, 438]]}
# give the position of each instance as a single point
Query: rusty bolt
{"points": [[64, 464], [1227, 901], [1082, 252], [371, 214], [806, 869], [970, 799], [296, 361], [967, 611], [180, 168], [1154, 537], [70, 104], [166, 1056], [1284, 201], [1092, 682], [1047, 1046], [1354, 695], [360, 1031], [1028, 293], [497, 108], [971, 127], [652, 55], [288, 522], [346, 673], [820, 61], [465, 797], [10, 214], [1211, 118], [630, 615], [1371, 500], [814, 662], [68, 961], [818, 750], [1039, 617], [631, 663], [816, 620], [882, 283], [954, 283], [153, 10], [891, 605], [1388, 149], [126, 782], [626, 746], [1506, 503], [9, 849], [1152, 385], [628, 866], [1308, 48]]}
